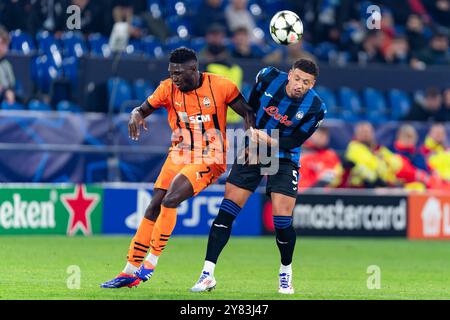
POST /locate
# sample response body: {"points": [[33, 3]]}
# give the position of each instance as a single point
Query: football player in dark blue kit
{"points": [[288, 103]]}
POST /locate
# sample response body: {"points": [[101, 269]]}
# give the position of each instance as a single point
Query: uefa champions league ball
{"points": [[286, 27]]}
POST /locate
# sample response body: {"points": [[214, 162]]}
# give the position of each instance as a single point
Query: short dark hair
{"points": [[307, 66], [182, 55]]}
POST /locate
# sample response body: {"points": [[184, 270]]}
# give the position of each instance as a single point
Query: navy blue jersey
{"points": [[275, 110]]}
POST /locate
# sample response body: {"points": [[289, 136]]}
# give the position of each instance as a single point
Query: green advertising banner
{"points": [[71, 210]]}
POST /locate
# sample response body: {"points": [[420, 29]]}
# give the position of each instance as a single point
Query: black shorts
{"points": [[248, 177]]}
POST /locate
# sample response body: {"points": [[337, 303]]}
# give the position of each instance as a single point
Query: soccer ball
{"points": [[286, 27]]}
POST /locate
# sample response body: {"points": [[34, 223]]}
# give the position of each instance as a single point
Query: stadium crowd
{"points": [[412, 33], [367, 163]]}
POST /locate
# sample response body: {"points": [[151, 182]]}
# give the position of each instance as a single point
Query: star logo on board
{"points": [[80, 205]]}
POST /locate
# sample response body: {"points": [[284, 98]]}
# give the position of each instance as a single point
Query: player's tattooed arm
{"points": [[243, 109], [137, 119]]}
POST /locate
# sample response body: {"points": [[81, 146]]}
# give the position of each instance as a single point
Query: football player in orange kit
{"points": [[196, 103]]}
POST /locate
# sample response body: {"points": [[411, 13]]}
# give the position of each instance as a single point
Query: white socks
{"points": [[286, 269], [129, 269], [152, 259], [209, 267]]}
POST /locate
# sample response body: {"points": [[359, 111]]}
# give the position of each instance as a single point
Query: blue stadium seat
{"points": [[375, 105], [400, 103], [22, 42], [329, 99], [99, 45], [44, 72], [176, 7], [175, 42], [307, 46], [14, 106], [198, 43], [70, 69], [324, 50], [152, 47], [351, 104], [37, 105], [65, 105], [134, 47], [47, 42], [272, 6], [121, 95], [74, 44], [142, 89], [179, 26]]}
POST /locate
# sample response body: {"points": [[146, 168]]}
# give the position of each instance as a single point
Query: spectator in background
{"points": [[435, 140], [413, 170], [217, 58], [289, 54], [398, 51], [437, 53], [446, 106], [439, 11], [370, 51], [415, 34], [437, 152], [320, 166], [387, 32], [7, 77], [209, 13], [238, 17], [123, 11], [14, 14], [215, 49], [427, 109], [406, 145], [242, 48], [369, 167]]}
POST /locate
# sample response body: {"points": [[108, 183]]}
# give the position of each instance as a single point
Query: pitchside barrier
{"points": [[117, 208]]}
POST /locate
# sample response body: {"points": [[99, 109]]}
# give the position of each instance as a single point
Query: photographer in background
{"points": [[7, 78]]}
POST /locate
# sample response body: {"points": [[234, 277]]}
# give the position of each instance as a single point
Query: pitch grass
{"points": [[35, 267]]}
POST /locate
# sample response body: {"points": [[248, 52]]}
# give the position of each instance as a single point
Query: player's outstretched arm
{"points": [[243, 109], [137, 119]]}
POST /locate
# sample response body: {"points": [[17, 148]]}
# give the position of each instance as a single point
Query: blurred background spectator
{"points": [[7, 78], [320, 165], [428, 108], [209, 13], [238, 17], [395, 73]]}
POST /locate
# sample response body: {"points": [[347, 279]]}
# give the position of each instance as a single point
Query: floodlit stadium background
{"points": [[64, 112]]}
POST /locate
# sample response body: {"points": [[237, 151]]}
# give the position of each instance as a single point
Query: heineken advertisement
{"points": [[72, 210]]}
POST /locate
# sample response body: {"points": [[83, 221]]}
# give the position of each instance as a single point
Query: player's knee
{"points": [[171, 200]]}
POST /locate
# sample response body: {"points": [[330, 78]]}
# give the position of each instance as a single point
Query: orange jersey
{"points": [[198, 117]]}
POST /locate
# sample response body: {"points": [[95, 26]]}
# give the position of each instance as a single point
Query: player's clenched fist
{"points": [[134, 125]]}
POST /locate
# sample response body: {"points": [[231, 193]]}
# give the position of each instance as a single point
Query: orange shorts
{"points": [[200, 175]]}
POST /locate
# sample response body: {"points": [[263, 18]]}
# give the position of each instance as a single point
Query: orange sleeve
{"points": [[229, 89], [161, 96]]}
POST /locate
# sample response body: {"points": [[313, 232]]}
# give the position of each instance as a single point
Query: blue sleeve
{"points": [[303, 132]]}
